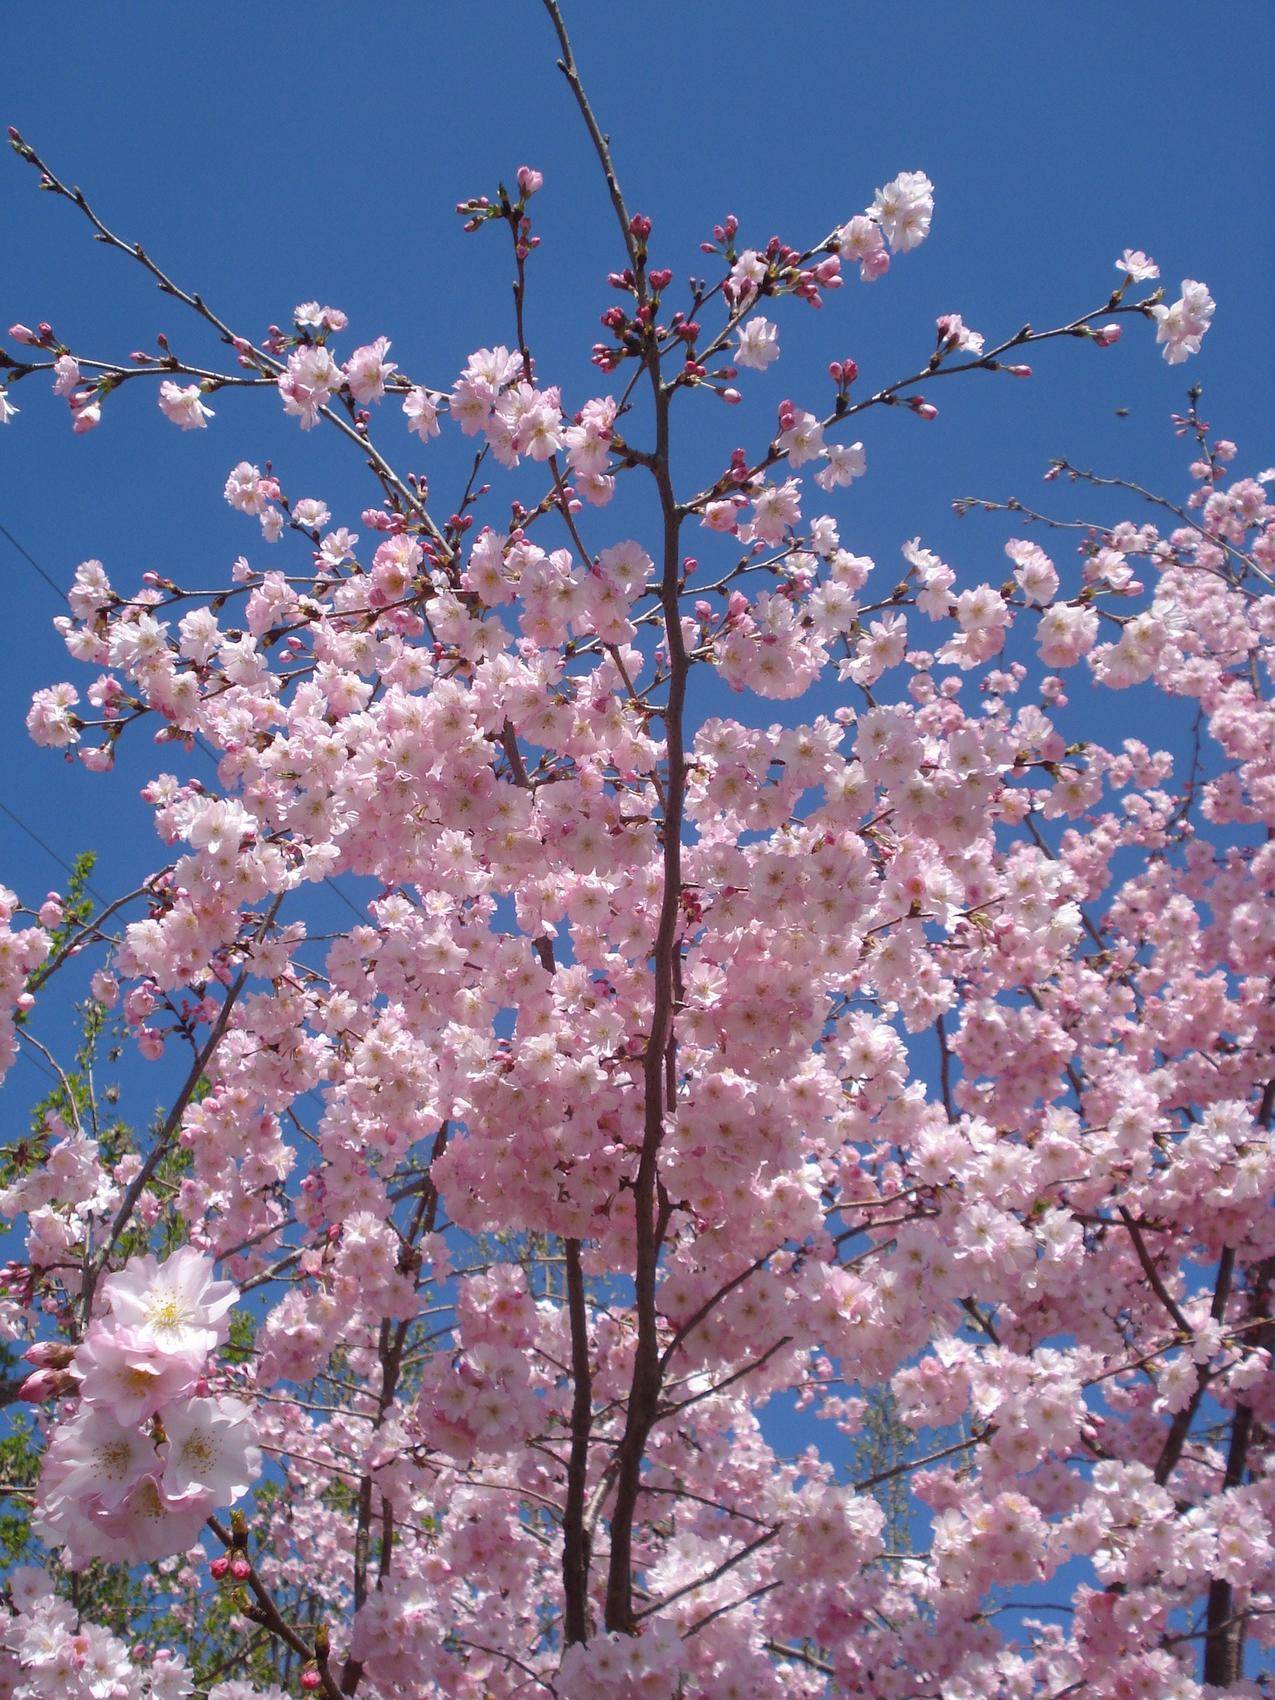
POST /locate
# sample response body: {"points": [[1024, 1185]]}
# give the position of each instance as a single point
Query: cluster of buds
{"points": [[52, 1377], [738, 471], [723, 238], [812, 279], [843, 373], [475, 211], [41, 337]]}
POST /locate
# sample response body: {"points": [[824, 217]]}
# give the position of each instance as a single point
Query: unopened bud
{"points": [[46, 1384], [50, 1354]]}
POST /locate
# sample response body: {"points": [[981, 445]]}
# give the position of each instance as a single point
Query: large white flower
{"points": [[904, 208], [177, 1302], [209, 1452]]}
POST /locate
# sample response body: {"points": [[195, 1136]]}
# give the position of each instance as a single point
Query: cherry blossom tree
{"points": [[683, 1065]]}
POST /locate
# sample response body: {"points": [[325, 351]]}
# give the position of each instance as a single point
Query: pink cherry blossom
{"points": [[130, 1374], [208, 1454], [1181, 327], [184, 406], [177, 1304], [758, 344], [367, 369], [1139, 266]]}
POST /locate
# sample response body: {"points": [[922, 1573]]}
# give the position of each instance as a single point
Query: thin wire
{"points": [[31, 561], [47, 848], [36, 1063]]}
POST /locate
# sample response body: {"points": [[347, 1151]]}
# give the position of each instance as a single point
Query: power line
{"points": [[31, 561], [47, 848], [36, 1063]]}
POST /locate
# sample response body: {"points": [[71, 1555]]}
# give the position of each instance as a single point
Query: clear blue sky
{"points": [[319, 154]]}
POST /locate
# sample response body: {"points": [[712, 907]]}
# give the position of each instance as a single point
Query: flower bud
{"points": [[47, 1384], [529, 180], [50, 1354]]}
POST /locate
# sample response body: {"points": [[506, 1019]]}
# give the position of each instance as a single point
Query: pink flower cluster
{"points": [[134, 1470], [48, 1651], [22, 950]]}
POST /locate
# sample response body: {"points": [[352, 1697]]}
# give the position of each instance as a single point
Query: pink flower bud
{"points": [[529, 180], [49, 1354], [640, 226], [731, 396], [1105, 335], [46, 1384], [240, 1569], [310, 1680], [1019, 371], [22, 333], [219, 1567]]}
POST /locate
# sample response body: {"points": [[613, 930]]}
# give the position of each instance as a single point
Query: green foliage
{"points": [[882, 1443], [19, 1467]]}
